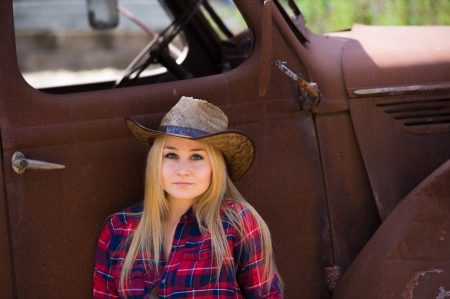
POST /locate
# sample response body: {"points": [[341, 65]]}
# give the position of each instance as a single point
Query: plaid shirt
{"points": [[189, 272]]}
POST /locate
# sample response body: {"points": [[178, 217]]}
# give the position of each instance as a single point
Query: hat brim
{"points": [[237, 147]]}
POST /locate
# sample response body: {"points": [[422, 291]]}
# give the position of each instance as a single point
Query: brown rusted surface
{"points": [[353, 212], [294, 208], [408, 256], [333, 276], [319, 60], [387, 56], [266, 48], [326, 53], [6, 283], [401, 142]]}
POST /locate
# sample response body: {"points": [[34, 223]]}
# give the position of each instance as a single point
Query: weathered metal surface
{"points": [[387, 56], [266, 48], [397, 160], [401, 90], [408, 256], [352, 209], [325, 58], [333, 276], [6, 277], [294, 210]]}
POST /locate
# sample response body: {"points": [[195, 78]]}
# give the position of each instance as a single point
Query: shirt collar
{"points": [[188, 215]]}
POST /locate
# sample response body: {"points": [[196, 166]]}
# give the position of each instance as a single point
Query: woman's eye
{"points": [[171, 156], [196, 157]]}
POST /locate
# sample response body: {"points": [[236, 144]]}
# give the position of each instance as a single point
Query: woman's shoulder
{"points": [[236, 206], [240, 210], [126, 219], [241, 220], [119, 227]]}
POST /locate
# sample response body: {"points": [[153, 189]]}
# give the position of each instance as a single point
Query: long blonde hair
{"points": [[148, 236]]}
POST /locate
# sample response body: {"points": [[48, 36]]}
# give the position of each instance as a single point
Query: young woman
{"points": [[194, 235]]}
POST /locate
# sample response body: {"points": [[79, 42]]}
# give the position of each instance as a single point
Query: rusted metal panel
{"points": [[326, 52], [266, 48], [6, 276], [408, 256], [388, 56], [319, 60], [296, 213], [352, 209], [56, 215], [422, 143]]}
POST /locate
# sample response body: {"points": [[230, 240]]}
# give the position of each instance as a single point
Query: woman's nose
{"points": [[183, 167]]}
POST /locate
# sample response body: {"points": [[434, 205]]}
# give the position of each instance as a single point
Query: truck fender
{"points": [[408, 256]]}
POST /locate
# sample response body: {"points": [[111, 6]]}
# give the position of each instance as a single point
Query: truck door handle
{"points": [[20, 163]]}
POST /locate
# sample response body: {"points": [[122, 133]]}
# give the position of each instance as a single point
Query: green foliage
{"points": [[333, 15]]}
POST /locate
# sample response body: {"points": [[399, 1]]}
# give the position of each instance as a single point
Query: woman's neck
{"points": [[177, 209]]}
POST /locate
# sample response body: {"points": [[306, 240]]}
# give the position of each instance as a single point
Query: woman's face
{"points": [[186, 169]]}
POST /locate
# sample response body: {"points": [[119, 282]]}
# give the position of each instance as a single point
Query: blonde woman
{"points": [[194, 235]]}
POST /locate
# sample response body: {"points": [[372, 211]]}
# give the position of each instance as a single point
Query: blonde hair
{"points": [[207, 211]]}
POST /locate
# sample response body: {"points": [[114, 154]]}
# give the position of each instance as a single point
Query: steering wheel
{"points": [[159, 49]]}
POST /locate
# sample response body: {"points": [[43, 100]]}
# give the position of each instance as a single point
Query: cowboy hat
{"points": [[202, 121]]}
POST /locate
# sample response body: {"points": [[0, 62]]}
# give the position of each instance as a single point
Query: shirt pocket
{"points": [[197, 268], [136, 286]]}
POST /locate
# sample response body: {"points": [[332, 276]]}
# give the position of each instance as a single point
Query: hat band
{"points": [[182, 131]]}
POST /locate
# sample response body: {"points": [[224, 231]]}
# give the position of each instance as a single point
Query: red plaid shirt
{"points": [[189, 272]]}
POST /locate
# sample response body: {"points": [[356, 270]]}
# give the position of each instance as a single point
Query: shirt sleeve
{"points": [[249, 255], [104, 282]]}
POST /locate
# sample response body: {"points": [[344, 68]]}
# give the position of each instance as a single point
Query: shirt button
{"points": [[163, 281], [185, 217], [174, 246]]}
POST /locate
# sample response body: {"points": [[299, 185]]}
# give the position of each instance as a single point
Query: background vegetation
{"points": [[333, 15]]}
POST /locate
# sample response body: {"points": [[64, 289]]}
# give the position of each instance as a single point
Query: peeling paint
{"points": [[443, 293], [409, 292]]}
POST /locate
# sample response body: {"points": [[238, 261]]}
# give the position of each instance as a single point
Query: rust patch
{"points": [[409, 292], [333, 276]]}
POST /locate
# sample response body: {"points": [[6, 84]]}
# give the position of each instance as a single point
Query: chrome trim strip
{"points": [[398, 90]]}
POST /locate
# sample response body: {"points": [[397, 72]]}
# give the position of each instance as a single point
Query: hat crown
{"points": [[196, 114]]}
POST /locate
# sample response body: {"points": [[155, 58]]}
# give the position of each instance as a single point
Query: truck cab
{"points": [[351, 170]]}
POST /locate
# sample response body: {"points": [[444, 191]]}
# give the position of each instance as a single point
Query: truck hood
{"points": [[380, 57]]}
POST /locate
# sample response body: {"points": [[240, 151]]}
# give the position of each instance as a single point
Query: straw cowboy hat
{"points": [[199, 120]]}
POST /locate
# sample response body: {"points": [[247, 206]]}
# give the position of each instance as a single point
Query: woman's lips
{"points": [[183, 184]]}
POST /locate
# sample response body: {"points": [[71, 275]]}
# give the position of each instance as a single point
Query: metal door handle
{"points": [[19, 164]]}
